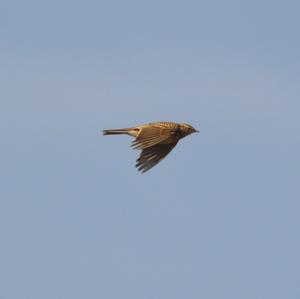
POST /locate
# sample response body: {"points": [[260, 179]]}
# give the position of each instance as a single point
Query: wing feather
{"points": [[151, 156], [151, 135]]}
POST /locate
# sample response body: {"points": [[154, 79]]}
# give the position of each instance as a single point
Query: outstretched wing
{"points": [[152, 135], [150, 156]]}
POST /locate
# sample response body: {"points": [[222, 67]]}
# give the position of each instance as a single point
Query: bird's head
{"points": [[188, 129]]}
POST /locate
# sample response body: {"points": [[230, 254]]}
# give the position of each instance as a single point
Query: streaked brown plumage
{"points": [[155, 140]]}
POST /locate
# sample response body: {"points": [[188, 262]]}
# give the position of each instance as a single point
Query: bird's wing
{"points": [[151, 135], [150, 156]]}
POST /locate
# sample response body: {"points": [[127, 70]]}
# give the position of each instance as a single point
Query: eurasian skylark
{"points": [[155, 140]]}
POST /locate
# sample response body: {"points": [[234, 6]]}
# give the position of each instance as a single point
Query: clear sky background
{"points": [[218, 218]]}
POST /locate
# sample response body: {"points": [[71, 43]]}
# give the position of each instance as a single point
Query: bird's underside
{"points": [[155, 140]]}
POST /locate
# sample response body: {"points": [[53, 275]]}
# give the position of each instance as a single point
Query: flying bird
{"points": [[155, 140]]}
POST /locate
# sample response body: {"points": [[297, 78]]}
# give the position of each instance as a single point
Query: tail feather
{"points": [[115, 131]]}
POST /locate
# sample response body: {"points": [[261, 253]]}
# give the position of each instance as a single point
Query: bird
{"points": [[155, 140]]}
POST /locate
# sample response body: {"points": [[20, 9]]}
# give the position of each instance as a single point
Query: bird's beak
{"points": [[197, 131]]}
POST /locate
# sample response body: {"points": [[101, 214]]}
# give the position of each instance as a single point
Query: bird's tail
{"points": [[116, 131]]}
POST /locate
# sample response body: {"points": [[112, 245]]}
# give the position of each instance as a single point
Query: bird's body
{"points": [[156, 140]]}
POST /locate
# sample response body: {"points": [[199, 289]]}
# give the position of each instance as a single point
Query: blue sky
{"points": [[218, 218]]}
